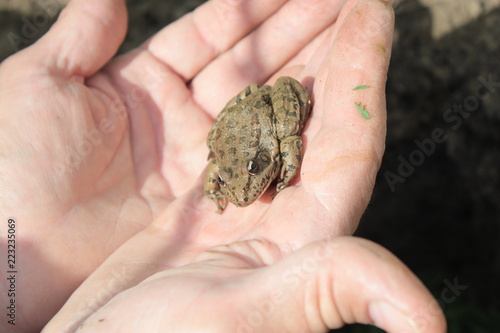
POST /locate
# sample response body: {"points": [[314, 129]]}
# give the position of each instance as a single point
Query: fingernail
{"points": [[390, 319]]}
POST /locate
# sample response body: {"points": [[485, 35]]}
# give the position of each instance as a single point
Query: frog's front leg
{"points": [[212, 187], [291, 157], [291, 106]]}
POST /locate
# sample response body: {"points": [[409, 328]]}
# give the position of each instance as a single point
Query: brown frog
{"points": [[255, 139]]}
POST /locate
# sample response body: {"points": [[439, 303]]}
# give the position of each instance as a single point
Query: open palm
{"points": [[105, 163]]}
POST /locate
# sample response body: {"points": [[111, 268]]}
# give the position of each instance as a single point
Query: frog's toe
{"points": [[221, 204], [281, 186], [218, 198]]}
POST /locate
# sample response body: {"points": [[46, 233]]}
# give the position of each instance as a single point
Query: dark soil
{"points": [[436, 203]]}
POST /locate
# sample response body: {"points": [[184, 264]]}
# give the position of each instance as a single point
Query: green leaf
{"points": [[362, 110]]}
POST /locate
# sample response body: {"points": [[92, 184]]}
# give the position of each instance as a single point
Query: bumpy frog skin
{"points": [[255, 139]]}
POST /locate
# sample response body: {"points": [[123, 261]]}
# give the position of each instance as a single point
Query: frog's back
{"points": [[240, 130]]}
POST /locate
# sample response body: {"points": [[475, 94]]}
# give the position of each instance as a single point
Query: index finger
{"points": [[191, 42]]}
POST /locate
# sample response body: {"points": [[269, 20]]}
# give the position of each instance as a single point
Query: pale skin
{"points": [[101, 165]]}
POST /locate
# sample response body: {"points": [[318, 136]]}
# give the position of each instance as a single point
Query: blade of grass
{"points": [[362, 110]]}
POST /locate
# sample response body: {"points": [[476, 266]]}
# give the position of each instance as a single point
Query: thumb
{"points": [[84, 38], [349, 280]]}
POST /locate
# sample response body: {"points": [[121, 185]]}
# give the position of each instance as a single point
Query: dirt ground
{"points": [[436, 203]]}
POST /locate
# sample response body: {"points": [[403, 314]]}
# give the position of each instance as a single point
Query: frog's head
{"points": [[244, 182]]}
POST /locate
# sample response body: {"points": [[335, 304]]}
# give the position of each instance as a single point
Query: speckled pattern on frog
{"points": [[255, 139]]}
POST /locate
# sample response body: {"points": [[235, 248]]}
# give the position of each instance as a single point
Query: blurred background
{"points": [[436, 203]]}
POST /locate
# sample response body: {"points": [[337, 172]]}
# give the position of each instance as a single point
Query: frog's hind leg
{"points": [[291, 106]]}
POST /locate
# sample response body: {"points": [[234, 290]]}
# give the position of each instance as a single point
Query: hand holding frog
{"points": [[104, 172]]}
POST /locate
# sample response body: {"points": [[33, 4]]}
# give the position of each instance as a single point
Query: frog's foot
{"points": [[291, 156], [212, 186], [219, 199]]}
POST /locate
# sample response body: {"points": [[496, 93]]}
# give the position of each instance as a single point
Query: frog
{"points": [[255, 140]]}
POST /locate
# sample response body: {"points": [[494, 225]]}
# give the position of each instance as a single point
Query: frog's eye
{"points": [[252, 167], [220, 181]]}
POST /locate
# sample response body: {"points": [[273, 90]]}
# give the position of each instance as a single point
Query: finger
{"points": [[314, 54], [346, 280], [350, 145], [306, 63], [190, 43], [261, 53], [84, 38], [343, 150]]}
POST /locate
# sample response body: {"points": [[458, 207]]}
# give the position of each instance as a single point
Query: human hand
{"points": [[110, 150], [252, 286]]}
